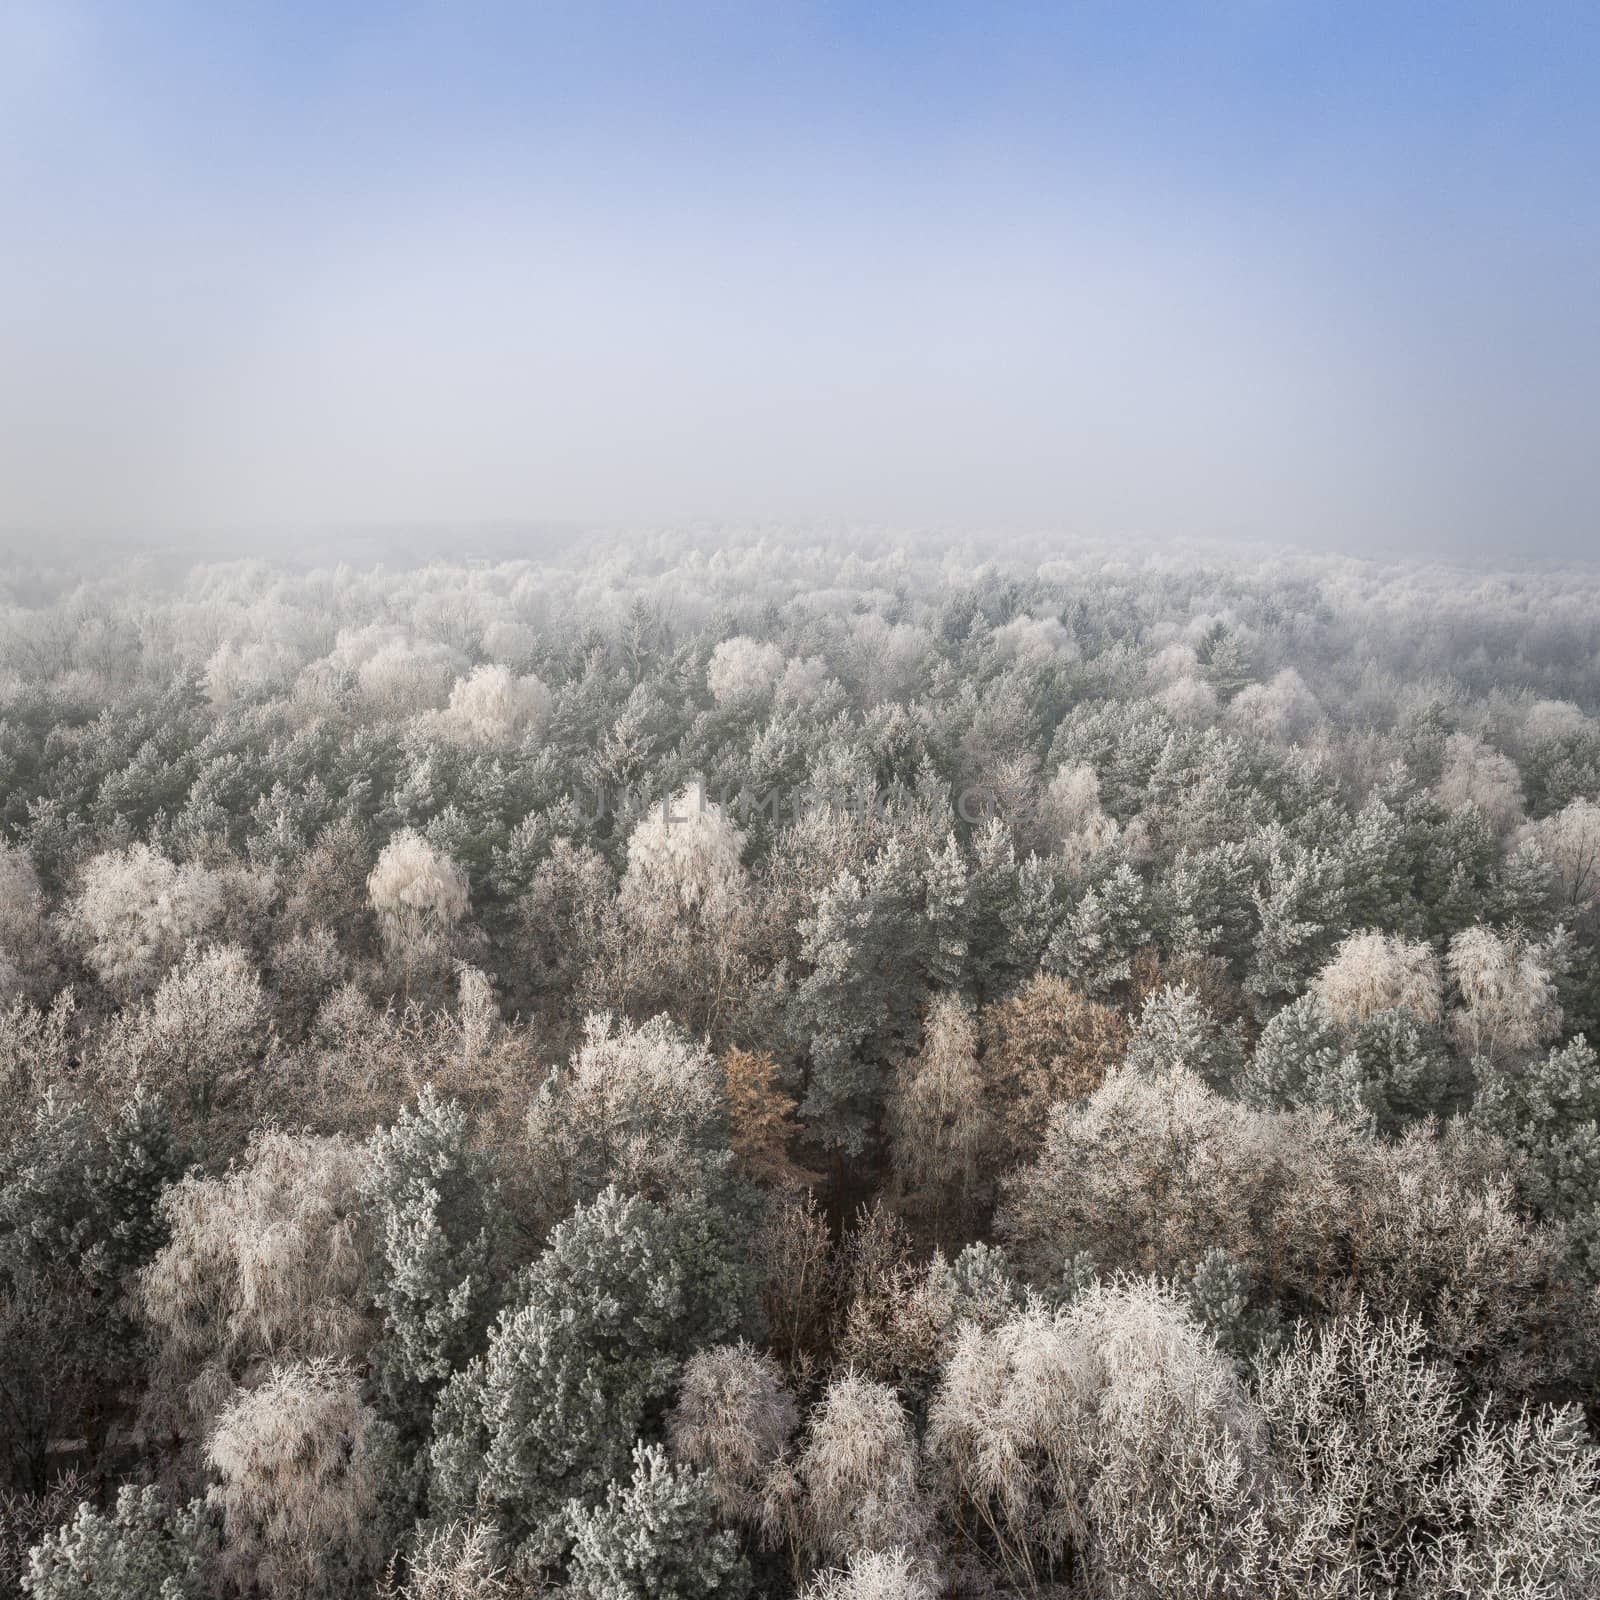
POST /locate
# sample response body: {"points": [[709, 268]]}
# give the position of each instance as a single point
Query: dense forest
{"points": [[864, 1074]]}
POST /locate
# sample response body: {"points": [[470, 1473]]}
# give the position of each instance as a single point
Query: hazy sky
{"points": [[1321, 272]]}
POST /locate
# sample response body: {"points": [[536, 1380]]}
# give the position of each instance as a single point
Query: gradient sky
{"points": [[1324, 273]]}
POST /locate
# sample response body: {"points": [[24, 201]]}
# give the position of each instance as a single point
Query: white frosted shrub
{"points": [[268, 1261], [491, 706], [1508, 992], [733, 1419], [1474, 775], [875, 1575], [297, 1486], [1570, 842], [416, 890], [1372, 972], [135, 911], [460, 1561], [742, 668]]}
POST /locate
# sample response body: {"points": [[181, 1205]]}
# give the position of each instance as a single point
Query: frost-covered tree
{"points": [[24, 942], [135, 911], [269, 1262], [685, 853], [1223, 659], [1301, 905], [1176, 1030], [938, 1128], [1508, 992], [79, 1212], [1148, 1172], [436, 1227], [852, 1487], [733, 1419], [399, 677], [1221, 1300], [887, 656], [203, 1024], [491, 707], [687, 905], [1083, 1440], [1097, 943], [297, 1486], [1281, 709], [237, 671], [1071, 818], [1045, 1043], [1372, 972], [1034, 641], [416, 891], [1474, 775], [1570, 841], [1382, 1489], [874, 1575], [72, 1191], [1391, 1068], [743, 669], [1190, 701], [761, 1121], [140, 1550], [655, 1538], [640, 1107], [1548, 1110], [872, 944], [581, 1365], [460, 1561]]}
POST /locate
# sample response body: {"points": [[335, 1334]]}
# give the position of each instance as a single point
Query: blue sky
{"points": [[1320, 273]]}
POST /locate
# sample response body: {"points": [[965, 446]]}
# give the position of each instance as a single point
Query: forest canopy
{"points": [[859, 1073]]}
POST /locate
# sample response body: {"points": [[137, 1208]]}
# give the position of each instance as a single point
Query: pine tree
{"points": [[1549, 1111], [654, 1539], [1219, 1297], [1097, 943], [436, 1225], [582, 1364], [138, 1551]]}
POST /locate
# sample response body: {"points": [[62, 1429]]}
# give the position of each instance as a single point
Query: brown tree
{"points": [[1045, 1043]]}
